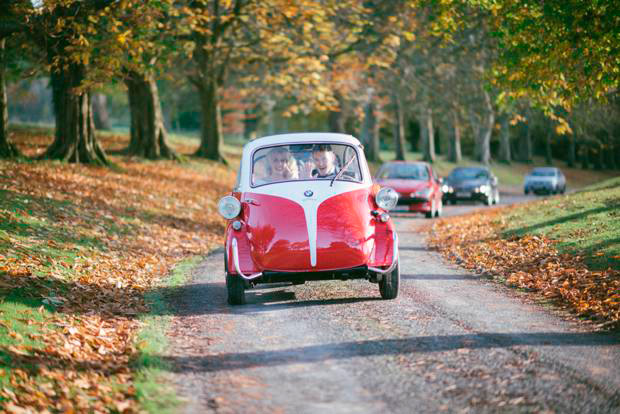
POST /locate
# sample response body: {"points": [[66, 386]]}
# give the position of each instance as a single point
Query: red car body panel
{"points": [[345, 230], [274, 234], [277, 232], [405, 187]]}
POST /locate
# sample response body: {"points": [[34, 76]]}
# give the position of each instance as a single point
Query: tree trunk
{"points": [[584, 152], [74, 139], [399, 128], [336, 119], [7, 149], [504, 143], [483, 140], [429, 141], [571, 158], [369, 133], [599, 159], [210, 120], [548, 154], [455, 148], [610, 155], [100, 111], [147, 132], [526, 143]]}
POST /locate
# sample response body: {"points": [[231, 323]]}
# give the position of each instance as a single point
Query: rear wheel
{"points": [[236, 289], [388, 285]]}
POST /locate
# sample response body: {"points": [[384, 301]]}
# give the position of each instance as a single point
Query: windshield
{"points": [[468, 174], [403, 171], [304, 162], [543, 173]]}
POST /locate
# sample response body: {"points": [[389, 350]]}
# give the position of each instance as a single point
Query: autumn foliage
{"points": [[80, 246], [531, 262]]}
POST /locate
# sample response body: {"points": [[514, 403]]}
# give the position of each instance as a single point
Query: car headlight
{"points": [[229, 207], [386, 198], [483, 188], [446, 188]]}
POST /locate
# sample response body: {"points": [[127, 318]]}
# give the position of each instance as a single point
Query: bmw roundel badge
{"points": [[308, 193]]}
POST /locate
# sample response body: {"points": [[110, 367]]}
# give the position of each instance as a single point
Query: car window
{"points": [[403, 172], [543, 173], [468, 174], [320, 161]]}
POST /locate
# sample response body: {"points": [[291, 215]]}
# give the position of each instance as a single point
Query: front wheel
{"points": [[388, 285], [236, 289], [431, 214]]}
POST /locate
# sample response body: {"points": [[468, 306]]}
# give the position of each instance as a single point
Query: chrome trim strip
{"points": [[394, 258], [236, 261]]}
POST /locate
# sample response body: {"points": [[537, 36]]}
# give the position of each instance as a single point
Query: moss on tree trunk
{"points": [[7, 149], [148, 136], [210, 121], [74, 139]]}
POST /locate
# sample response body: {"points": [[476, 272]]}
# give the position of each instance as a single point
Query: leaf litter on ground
{"points": [[86, 244], [477, 241]]}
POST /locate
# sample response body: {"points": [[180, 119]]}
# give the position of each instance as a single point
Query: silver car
{"points": [[545, 180]]}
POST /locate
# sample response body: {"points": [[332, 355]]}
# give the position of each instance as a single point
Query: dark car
{"points": [[470, 184]]}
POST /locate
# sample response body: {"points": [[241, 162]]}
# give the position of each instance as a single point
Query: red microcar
{"points": [[305, 208]]}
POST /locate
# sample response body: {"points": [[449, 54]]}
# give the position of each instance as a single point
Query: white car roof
{"points": [[305, 137], [243, 178]]}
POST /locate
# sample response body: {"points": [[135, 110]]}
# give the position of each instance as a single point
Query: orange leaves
{"points": [[529, 262], [89, 243]]}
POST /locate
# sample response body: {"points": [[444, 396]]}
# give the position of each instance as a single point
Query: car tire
{"points": [[236, 289], [526, 192], [431, 214], [388, 285]]}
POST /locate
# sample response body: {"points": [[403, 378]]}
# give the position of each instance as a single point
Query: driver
{"points": [[324, 161]]}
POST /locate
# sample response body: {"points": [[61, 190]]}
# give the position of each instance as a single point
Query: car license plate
{"points": [[463, 194]]}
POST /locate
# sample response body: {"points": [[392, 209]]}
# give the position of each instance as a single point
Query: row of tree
{"points": [[500, 76]]}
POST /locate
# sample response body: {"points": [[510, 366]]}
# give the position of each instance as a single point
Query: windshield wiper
{"points": [[341, 171]]}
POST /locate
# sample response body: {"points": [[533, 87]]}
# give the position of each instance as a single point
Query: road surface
{"points": [[451, 342]]}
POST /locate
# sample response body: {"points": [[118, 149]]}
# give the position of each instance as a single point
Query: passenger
{"points": [[324, 161], [281, 166]]}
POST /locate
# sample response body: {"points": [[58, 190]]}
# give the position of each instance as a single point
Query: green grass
{"points": [[154, 394], [20, 322], [585, 223]]}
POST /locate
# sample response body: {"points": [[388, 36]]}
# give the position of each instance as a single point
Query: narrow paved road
{"points": [[451, 342]]}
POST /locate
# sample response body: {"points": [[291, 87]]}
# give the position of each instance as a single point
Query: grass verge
{"points": [[566, 247], [152, 390], [84, 253]]}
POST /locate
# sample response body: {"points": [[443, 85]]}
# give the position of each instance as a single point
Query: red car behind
{"points": [[416, 183]]}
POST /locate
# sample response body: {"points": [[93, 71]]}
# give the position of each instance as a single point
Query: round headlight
{"points": [[229, 207], [386, 198]]}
